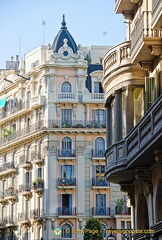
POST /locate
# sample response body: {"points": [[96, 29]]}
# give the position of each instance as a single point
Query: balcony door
{"points": [[99, 117], [98, 175], [99, 147], [100, 204], [66, 147], [66, 115], [66, 204]]}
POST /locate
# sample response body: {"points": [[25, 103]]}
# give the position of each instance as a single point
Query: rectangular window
{"points": [[98, 87], [99, 176], [39, 172], [138, 104], [27, 177], [100, 204], [66, 115], [67, 171]]}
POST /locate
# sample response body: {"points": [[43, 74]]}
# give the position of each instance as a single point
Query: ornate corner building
{"points": [[52, 145], [133, 85]]}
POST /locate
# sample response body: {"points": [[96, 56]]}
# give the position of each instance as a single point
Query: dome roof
{"points": [[62, 34]]}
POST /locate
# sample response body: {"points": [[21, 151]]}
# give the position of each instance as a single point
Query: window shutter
{"points": [[150, 92]]}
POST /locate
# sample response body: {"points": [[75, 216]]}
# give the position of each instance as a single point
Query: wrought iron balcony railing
{"points": [[36, 213], [98, 153], [67, 181], [67, 211], [100, 182], [76, 124], [24, 216], [66, 153], [101, 211], [124, 211], [24, 188]]}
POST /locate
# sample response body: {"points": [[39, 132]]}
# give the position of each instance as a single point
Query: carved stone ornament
{"points": [[156, 49], [147, 188], [129, 188], [158, 154], [146, 66], [145, 175], [128, 14], [80, 150]]}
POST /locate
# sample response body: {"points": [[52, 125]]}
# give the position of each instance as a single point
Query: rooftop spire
{"points": [[63, 23]]}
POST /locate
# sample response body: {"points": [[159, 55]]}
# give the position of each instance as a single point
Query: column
{"points": [[117, 117], [87, 114], [107, 105], [129, 108]]}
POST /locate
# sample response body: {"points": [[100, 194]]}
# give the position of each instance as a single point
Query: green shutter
{"points": [[150, 92]]}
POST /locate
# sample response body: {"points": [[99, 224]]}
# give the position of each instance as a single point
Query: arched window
{"points": [[66, 87], [103, 230], [66, 147], [65, 233], [99, 147]]}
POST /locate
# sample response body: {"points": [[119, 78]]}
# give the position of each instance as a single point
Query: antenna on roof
{"points": [[104, 33], [43, 24]]}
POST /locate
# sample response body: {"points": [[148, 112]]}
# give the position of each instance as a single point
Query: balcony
{"points": [[125, 211], [76, 124], [93, 98], [98, 153], [66, 182], [37, 215], [10, 194], [101, 211], [24, 163], [37, 157], [125, 5], [143, 40], [67, 211], [24, 218], [37, 101], [66, 154], [22, 133], [10, 221], [123, 157], [17, 110], [66, 97], [100, 183], [25, 190], [38, 186], [156, 14], [115, 58], [7, 168]]}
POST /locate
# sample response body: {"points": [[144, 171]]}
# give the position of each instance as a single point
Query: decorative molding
{"points": [[80, 150]]}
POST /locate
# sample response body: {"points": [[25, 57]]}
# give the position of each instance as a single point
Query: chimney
{"points": [[12, 58]]}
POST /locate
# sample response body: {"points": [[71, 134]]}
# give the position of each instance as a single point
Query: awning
{"points": [[3, 102]]}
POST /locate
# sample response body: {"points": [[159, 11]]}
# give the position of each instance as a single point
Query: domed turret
{"points": [[59, 39]]}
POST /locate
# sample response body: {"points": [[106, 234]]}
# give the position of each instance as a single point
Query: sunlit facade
{"points": [[53, 133]]}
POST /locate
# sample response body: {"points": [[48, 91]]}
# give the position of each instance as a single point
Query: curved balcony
{"points": [[37, 101], [123, 157], [37, 157], [24, 163], [7, 168], [2, 197], [10, 194], [116, 62], [24, 218], [38, 186], [10, 221], [156, 14], [37, 215], [25, 190]]}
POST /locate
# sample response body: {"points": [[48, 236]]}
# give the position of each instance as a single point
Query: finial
{"points": [[63, 23]]}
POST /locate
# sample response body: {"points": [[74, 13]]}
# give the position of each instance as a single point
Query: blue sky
{"points": [[21, 29]]}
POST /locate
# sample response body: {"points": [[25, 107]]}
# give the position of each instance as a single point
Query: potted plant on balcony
{"points": [[120, 205], [7, 132]]}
